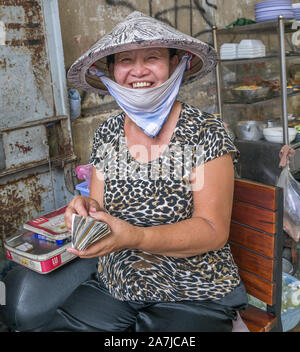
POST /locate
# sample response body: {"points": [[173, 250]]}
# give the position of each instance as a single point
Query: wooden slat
{"points": [[259, 288], [255, 240], [256, 193], [258, 317], [258, 218], [253, 262], [253, 327]]}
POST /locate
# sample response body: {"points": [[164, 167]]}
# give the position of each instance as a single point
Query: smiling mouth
{"points": [[141, 84]]}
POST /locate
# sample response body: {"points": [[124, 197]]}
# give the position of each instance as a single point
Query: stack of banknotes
{"points": [[86, 230]]}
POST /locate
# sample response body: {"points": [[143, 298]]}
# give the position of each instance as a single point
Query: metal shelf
{"points": [[259, 59], [58, 161], [43, 121], [262, 101], [261, 27], [278, 27]]}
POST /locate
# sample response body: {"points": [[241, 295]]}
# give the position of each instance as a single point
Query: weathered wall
{"points": [[83, 133], [85, 22]]}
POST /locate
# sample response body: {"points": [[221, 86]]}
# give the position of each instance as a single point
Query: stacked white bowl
{"points": [[250, 48], [270, 10], [275, 134], [296, 9], [228, 51]]}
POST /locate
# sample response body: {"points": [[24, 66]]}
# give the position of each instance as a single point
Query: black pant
{"points": [[92, 308]]}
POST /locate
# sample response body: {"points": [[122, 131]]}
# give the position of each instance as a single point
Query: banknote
{"points": [[86, 230]]}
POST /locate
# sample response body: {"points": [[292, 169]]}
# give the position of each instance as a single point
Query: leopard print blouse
{"points": [[157, 193]]}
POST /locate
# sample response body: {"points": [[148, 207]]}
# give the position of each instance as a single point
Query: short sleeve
{"points": [[97, 158], [216, 141]]}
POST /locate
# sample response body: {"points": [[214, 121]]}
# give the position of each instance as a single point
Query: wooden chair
{"points": [[256, 239]]}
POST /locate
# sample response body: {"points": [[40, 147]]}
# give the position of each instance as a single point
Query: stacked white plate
{"points": [[270, 10], [228, 51], [250, 48], [296, 9]]}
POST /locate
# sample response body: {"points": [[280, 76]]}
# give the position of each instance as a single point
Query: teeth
{"points": [[140, 84]]}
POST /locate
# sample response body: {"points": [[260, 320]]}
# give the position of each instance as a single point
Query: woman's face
{"points": [[143, 68]]}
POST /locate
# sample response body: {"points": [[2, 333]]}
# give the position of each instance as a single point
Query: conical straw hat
{"points": [[139, 31]]}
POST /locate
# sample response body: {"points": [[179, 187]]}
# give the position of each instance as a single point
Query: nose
{"points": [[139, 68]]}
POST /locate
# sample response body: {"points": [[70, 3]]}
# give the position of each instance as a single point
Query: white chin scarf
{"points": [[147, 108]]}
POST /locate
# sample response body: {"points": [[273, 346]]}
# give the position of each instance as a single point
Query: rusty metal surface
{"points": [[26, 145], [2, 159], [20, 201], [30, 197], [24, 64], [32, 95], [32, 142]]}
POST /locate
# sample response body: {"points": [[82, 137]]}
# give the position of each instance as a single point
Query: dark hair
{"points": [[111, 58]]}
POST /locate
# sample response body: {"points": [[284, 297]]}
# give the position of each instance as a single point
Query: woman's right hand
{"points": [[80, 205]]}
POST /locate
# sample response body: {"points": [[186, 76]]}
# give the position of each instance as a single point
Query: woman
{"points": [[163, 181]]}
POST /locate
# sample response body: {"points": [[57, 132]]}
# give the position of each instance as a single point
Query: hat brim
{"points": [[204, 56]]}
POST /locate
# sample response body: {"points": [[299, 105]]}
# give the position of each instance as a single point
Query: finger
{"points": [[68, 216], [92, 251], [73, 251], [95, 205], [100, 215], [95, 250], [81, 254], [85, 253], [80, 207]]}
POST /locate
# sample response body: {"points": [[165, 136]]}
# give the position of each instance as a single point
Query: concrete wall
{"points": [[85, 22]]}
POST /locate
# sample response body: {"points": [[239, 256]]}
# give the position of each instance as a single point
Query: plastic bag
{"points": [[291, 203], [75, 103], [290, 295], [84, 172]]}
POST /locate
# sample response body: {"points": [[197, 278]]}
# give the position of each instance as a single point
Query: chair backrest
{"points": [[256, 239]]}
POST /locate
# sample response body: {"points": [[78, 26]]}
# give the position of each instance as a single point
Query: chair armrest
{"points": [[31, 298]]}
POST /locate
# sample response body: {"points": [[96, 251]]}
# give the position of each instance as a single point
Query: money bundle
{"points": [[86, 230]]}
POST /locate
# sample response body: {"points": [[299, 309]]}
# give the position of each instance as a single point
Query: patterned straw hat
{"points": [[139, 31]]}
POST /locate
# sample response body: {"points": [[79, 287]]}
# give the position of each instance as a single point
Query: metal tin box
{"points": [[40, 255]]}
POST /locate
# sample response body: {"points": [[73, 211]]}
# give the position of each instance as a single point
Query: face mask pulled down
{"points": [[147, 108]]}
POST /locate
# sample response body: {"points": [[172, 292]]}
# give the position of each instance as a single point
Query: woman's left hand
{"points": [[123, 235]]}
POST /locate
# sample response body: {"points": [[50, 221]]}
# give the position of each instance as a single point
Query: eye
{"points": [[126, 59], [152, 57]]}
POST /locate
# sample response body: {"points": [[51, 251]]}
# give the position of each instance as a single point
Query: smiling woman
{"points": [[148, 108], [143, 68], [166, 265]]}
